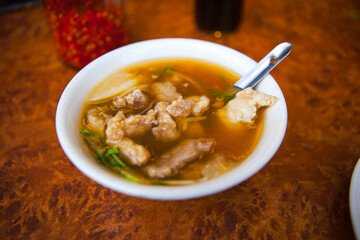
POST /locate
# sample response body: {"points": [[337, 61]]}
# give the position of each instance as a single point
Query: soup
{"points": [[167, 122]]}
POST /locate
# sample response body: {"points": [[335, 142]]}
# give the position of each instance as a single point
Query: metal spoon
{"points": [[261, 69]]}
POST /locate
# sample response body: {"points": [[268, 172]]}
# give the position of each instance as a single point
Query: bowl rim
{"points": [[108, 179], [354, 199]]}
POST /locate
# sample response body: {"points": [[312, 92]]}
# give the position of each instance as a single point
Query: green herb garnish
{"points": [[128, 177], [99, 158], [224, 79], [91, 133], [117, 165], [354, 15], [224, 96], [106, 156], [96, 149], [110, 155], [169, 69], [163, 71]]}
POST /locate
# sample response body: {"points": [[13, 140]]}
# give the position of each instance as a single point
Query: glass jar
{"points": [[86, 29], [218, 15]]}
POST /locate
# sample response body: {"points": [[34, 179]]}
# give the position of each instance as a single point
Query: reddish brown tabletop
{"points": [[303, 193]]}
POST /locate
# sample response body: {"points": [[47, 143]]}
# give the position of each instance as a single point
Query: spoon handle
{"points": [[264, 66]]}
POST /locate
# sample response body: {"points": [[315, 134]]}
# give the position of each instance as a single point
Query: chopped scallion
{"points": [[91, 133], [99, 158], [163, 71], [224, 79], [226, 97], [110, 154], [169, 69], [128, 177]]}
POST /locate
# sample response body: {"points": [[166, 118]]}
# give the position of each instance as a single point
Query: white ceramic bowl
{"points": [[74, 95], [354, 198]]}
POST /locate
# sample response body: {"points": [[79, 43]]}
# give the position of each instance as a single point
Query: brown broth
{"points": [[237, 141]]}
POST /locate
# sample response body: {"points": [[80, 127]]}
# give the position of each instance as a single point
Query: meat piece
{"points": [[166, 128], [119, 126], [199, 104], [96, 120], [114, 130], [244, 106], [119, 102], [136, 99], [179, 108], [135, 153], [161, 106], [187, 151], [165, 91], [137, 125]]}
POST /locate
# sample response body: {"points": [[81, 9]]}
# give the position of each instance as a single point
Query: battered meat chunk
{"points": [[187, 151], [161, 106], [179, 108], [137, 125], [199, 105], [136, 99], [114, 130], [135, 153], [244, 106], [166, 128], [96, 120], [165, 91], [119, 102]]}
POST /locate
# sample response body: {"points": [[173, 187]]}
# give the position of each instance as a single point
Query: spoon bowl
{"points": [[255, 75]]}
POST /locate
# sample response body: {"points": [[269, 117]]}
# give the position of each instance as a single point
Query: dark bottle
{"points": [[218, 15]]}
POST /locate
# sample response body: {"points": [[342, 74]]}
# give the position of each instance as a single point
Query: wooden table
{"points": [[301, 194]]}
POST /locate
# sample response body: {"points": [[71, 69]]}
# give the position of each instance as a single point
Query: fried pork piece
{"points": [[187, 151], [138, 125], [179, 108], [136, 99], [119, 102], [244, 106], [199, 105], [133, 152], [161, 106], [165, 91], [96, 120], [166, 128], [114, 130]]}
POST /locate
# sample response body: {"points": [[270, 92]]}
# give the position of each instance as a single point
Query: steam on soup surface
{"points": [[162, 122]]}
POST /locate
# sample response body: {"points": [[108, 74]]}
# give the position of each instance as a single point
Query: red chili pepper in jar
{"points": [[85, 30]]}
